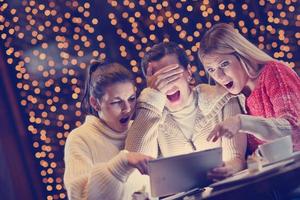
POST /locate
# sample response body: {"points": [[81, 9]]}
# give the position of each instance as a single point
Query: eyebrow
{"points": [[222, 61], [118, 98]]}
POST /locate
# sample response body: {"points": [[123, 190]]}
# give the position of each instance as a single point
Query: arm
{"points": [[142, 135], [282, 86], [234, 148], [84, 180]]}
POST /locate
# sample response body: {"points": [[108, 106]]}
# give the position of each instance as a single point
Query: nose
{"points": [[220, 74], [126, 107]]}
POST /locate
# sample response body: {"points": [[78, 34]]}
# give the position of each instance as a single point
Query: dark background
{"points": [[46, 46]]}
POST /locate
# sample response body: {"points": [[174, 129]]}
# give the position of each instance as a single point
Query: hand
{"points": [[161, 79], [228, 128], [139, 161], [220, 173]]}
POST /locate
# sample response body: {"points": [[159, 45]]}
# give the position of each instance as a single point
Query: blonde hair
{"points": [[224, 39]]}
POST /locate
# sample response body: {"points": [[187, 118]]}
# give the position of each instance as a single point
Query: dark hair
{"points": [[162, 49], [100, 75]]}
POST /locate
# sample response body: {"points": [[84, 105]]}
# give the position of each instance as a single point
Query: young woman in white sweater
{"points": [[96, 166], [174, 118]]}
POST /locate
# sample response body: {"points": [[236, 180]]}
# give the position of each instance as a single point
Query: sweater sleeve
{"points": [[282, 86], [143, 133], [84, 180], [234, 149]]}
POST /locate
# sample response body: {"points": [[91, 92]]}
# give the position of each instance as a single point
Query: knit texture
{"points": [[275, 104], [155, 132], [95, 165]]}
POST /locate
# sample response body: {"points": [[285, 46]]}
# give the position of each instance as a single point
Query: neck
{"points": [[250, 86], [189, 102], [104, 123]]}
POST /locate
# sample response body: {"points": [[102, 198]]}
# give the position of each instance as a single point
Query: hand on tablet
{"points": [[220, 173], [139, 161]]}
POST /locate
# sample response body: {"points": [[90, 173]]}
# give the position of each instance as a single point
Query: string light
{"points": [[49, 46]]}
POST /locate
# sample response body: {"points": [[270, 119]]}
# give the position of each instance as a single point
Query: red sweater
{"points": [[277, 94]]}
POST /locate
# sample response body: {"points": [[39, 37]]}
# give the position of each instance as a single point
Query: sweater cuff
{"points": [[119, 167], [247, 123], [154, 98]]}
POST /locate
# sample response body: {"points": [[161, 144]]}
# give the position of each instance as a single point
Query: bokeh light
{"points": [[48, 46]]}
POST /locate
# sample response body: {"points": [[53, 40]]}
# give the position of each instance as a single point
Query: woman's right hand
{"points": [[139, 161]]}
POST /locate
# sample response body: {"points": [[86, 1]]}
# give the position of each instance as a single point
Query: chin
{"points": [[234, 91], [125, 128], [174, 106], [121, 129]]}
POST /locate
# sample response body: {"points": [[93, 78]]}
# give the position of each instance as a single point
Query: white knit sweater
{"points": [[155, 132], [95, 166]]}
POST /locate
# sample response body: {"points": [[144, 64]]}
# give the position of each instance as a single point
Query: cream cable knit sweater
{"points": [[154, 131], [95, 166]]}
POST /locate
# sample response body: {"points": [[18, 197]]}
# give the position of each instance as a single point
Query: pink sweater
{"points": [[276, 96]]}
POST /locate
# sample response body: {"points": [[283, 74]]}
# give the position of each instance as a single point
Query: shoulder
{"points": [[275, 67], [212, 98], [76, 137], [276, 73], [208, 92], [84, 132]]}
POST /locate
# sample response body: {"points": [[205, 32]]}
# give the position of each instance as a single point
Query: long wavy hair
{"points": [[222, 38]]}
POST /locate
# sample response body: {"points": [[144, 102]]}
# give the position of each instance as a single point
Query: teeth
{"points": [[171, 93]]}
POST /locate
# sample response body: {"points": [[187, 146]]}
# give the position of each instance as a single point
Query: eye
{"points": [[224, 64], [116, 102], [132, 98], [210, 70]]}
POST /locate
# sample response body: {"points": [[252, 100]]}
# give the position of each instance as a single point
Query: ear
{"points": [[189, 69], [94, 103]]}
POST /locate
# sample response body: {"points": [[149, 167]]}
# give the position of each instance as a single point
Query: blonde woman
{"points": [[272, 89]]}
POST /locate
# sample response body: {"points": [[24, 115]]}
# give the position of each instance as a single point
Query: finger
{"points": [[220, 133], [161, 85], [220, 170], [218, 176], [145, 167], [213, 133], [230, 135], [165, 75], [216, 137], [141, 170], [166, 69], [227, 134]]}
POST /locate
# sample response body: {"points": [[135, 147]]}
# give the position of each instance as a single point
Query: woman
{"points": [[272, 89], [96, 167], [173, 118]]}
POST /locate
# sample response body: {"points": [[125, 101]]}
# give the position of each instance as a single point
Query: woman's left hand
{"points": [[220, 173], [228, 128]]}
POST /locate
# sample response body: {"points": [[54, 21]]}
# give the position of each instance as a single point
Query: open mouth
{"points": [[174, 97], [229, 85], [124, 120]]}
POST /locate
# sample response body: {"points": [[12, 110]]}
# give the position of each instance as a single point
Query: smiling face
{"points": [[117, 105], [227, 71], [179, 91]]}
